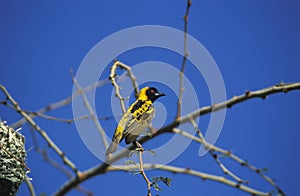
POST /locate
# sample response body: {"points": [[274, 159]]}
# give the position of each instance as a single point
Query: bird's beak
{"points": [[159, 94]]}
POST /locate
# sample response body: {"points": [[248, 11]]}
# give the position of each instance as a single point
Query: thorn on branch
{"points": [[185, 18], [215, 156], [247, 93], [264, 97], [228, 153], [244, 163], [258, 171]]}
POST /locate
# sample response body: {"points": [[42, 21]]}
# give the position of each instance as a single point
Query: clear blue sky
{"points": [[256, 44]]}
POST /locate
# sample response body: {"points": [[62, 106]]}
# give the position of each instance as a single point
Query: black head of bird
{"points": [[153, 94]]}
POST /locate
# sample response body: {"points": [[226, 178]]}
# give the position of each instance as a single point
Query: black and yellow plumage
{"points": [[135, 119]]}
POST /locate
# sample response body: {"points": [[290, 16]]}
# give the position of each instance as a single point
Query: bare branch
{"points": [[181, 74], [117, 87], [263, 93], [141, 167], [225, 170], [102, 168], [48, 117]]}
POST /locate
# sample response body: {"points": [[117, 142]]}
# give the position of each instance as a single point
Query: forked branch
{"points": [[112, 78]]}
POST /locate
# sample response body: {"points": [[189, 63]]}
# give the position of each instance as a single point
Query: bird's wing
{"points": [[136, 126], [119, 133]]}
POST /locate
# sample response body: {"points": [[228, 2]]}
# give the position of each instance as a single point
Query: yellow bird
{"points": [[136, 119]]}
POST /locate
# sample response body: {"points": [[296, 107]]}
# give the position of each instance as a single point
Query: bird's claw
{"points": [[139, 146]]}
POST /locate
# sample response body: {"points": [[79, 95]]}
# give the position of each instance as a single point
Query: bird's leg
{"points": [[139, 146]]}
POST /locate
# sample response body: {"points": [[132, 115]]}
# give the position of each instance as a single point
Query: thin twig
{"points": [[44, 135], [200, 134], [141, 167], [68, 121], [48, 117], [100, 169], [214, 155], [42, 115], [258, 171], [91, 111], [61, 103], [225, 170], [181, 74]]}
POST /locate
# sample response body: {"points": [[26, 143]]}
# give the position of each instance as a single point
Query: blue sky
{"points": [[256, 44]]}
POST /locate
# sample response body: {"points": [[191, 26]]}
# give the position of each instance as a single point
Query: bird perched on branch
{"points": [[136, 118]]}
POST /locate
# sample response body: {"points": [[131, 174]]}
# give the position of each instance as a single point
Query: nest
{"points": [[13, 169]]}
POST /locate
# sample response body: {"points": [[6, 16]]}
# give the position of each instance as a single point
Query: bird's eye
{"points": [[151, 91]]}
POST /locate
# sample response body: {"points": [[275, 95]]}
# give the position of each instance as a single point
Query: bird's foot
{"points": [[139, 146]]}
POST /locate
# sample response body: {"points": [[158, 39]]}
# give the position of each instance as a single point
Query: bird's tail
{"points": [[114, 144], [112, 148]]}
